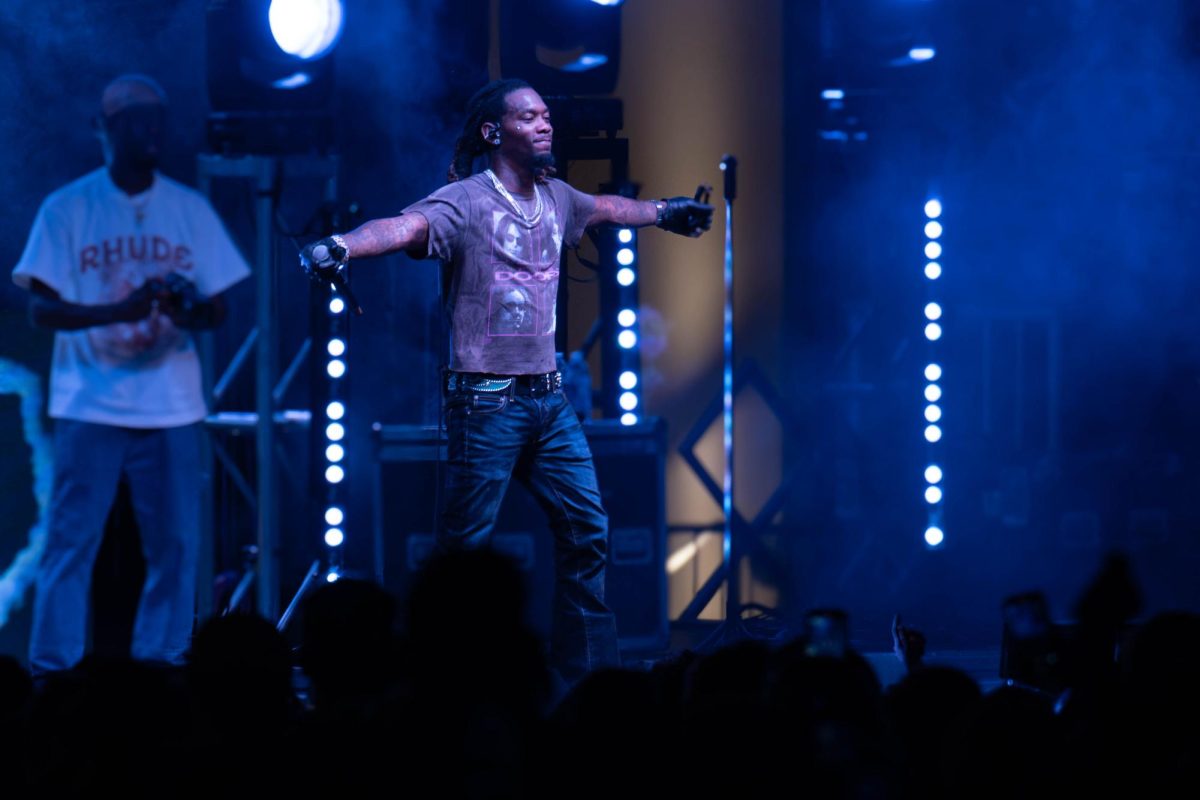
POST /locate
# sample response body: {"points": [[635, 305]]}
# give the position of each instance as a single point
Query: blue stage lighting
{"points": [[933, 311], [933, 474], [933, 250], [335, 452], [934, 536], [334, 473], [337, 347], [334, 537], [933, 229], [933, 433], [625, 276], [334, 516], [625, 236], [933, 393], [625, 256], [627, 339], [933, 209], [629, 401], [336, 368], [629, 418], [334, 432], [337, 305], [933, 270], [933, 331], [933, 495], [933, 413], [933, 373], [833, 94], [626, 317], [628, 379], [922, 53], [335, 410]]}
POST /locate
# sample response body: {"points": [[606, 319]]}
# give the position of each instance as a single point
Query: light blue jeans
{"points": [[162, 468]]}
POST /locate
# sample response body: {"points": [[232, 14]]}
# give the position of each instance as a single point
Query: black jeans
{"points": [[496, 436]]}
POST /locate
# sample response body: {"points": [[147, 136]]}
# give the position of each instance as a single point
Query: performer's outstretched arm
{"points": [[617, 210], [379, 237], [686, 216]]}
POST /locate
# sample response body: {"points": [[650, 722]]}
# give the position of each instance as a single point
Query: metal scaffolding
{"points": [[270, 385]]}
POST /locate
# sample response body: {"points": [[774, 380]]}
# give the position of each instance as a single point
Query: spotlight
{"points": [[334, 537], [629, 401], [933, 393], [933, 209], [933, 373], [627, 339], [625, 256], [626, 317], [933, 495], [335, 453], [271, 54], [933, 331], [625, 236], [629, 418], [307, 29], [933, 311], [334, 473], [336, 368], [933, 270], [335, 410], [337, 305], [334, 432], [625, 276], [922, 53], [334, 515], [934, 536], [933, 433], [933, 474], [933, 413], [933, 250], [628, 380], [933, 229], [337, 347]]}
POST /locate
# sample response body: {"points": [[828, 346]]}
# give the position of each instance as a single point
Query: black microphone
{"points": [[729, 167], [338, 279]]}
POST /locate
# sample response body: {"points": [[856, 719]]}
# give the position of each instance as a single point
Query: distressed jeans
{"points": [[493, 437], [162, 467]]}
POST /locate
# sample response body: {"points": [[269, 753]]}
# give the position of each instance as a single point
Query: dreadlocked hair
{"points": [[486, 105]]}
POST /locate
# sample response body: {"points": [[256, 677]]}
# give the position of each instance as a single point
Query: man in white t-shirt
{"points": [[122, 263]]}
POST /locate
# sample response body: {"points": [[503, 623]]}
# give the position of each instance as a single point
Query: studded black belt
{"points": [[485, 383]]}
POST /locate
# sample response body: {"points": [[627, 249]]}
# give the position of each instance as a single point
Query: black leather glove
{"points": [[687, 216], [325, 259]]}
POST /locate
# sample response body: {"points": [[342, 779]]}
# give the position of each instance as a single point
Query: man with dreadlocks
{"points": [[499, 234]]}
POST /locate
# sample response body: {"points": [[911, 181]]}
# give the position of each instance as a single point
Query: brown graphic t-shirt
{"points": [[503, 269]]}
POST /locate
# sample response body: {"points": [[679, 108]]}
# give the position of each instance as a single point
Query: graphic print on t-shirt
{"points": [[523, 293], [121, 265]]}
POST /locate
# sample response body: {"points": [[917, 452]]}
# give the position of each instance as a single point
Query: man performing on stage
{"points": [[121, 263], [500, 234]]}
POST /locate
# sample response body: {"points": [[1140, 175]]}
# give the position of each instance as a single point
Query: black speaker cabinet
{"points": [[629, 463]]}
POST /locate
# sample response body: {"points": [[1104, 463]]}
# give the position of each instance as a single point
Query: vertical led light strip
{"points": [[628, 328], [934, 492], [335, 434]]}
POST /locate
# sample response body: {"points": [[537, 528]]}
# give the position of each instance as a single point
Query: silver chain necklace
{"points": [[530, 219]]}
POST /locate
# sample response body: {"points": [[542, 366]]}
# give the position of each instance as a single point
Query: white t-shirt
{"points": [[94, 244]]}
